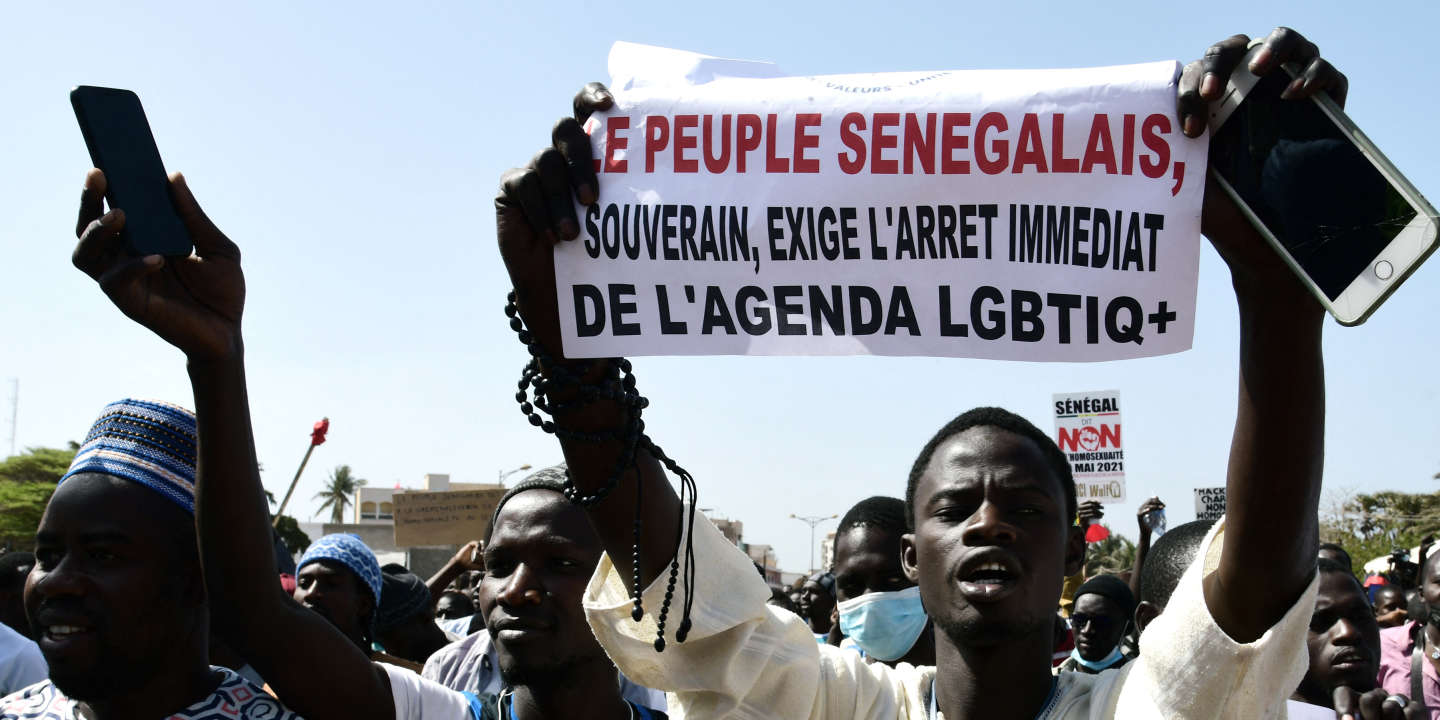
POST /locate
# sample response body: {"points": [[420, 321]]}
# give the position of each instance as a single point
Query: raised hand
{"points": [[1146, 508], [471, 557], [193, 303], [535, 210], [1377, 704], [1089, 511], [1254, 266], [1203, 81]]}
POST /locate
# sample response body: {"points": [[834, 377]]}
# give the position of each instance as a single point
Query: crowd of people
{"points": [[153, 590]]}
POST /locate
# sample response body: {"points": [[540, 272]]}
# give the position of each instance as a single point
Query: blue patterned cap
{"points": [[352, 552], [146, 441]]}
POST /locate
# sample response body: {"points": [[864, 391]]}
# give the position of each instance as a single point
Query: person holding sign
{"points": [[533, 654], [991, 508]]}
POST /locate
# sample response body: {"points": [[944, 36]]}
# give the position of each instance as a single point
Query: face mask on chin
{"points": [[884, 624]]}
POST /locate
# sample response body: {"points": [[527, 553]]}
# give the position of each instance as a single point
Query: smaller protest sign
{"points": [[1087, 429], [1209, 503], [443, 518]]}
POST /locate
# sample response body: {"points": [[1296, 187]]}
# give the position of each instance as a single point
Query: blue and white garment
{"points": [[145, 441], [235, 699]]}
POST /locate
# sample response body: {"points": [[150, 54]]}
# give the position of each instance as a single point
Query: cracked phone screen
{"points": [[1311, 187]]}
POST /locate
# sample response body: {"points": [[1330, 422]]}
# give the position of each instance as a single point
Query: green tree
{"points": [[339, 490], [295, 539], [1113, 554], [27, 481], [37, 465], [1371, 525]]}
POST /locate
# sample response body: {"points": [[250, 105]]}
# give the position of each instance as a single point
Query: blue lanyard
{"points": [[934, 711]]}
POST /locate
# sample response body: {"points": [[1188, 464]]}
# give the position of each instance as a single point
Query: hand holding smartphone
{"points": [[121, 145], [1324, 197]]}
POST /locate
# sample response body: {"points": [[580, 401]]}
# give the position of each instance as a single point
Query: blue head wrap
{"points": [[352, 552], [145, 441]]}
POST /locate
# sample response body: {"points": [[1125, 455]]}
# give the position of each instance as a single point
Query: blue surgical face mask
{"points": [[884, 624], [1114, 657]]}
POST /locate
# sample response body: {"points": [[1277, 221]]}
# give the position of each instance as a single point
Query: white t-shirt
{"points": [[417, 698], [21, 664]]}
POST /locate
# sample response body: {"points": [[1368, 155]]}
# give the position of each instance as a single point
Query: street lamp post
{"points": [[812, 521], [502, 474]]}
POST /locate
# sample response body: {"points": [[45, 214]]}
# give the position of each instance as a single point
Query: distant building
{"points": [[373, 520], [762, 555], [827, 551], [375, 505], [733, 530]]}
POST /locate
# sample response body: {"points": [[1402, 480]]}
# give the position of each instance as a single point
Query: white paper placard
{"points": [[1087, 429], [1026, 215]]}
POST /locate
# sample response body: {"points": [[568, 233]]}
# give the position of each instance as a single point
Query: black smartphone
{"points": [[1339, 213], [118, 137]]}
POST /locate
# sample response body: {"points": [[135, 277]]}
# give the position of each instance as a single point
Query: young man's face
{"points": [[337, 594], [452, 606], [993, 541], [867, 560], [815, 602], [108, 597], [1390, 607], [1099, 623], [1344, 640], [538, 561]]}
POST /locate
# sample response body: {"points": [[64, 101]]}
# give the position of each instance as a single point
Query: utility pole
{"points": [[812, 521]]}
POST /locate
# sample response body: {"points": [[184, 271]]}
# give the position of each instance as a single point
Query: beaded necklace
{"points": [[543, 376]]}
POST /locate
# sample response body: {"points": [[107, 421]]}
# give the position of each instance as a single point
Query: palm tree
{"points": [[338, 493]]}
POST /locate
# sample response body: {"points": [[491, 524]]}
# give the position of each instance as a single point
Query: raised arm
{"points": [[1277, 452], [467, 558], [534, 211], [195, 304], [1142, 548]]}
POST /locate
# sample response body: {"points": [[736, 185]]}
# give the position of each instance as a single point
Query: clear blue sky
{"points": [[352, 150]]}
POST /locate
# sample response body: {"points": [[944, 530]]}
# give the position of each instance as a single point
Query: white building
{"points": [[827, 552]]}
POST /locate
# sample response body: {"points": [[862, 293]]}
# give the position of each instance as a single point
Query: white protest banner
{"points": [[1027, 215], [1209, 503], [1087, 429]]}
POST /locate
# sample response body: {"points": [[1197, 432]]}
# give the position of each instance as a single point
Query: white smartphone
{"points": [[1345, 220]]}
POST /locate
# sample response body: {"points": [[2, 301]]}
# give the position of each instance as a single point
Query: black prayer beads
{"points": [[543, 376]]}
